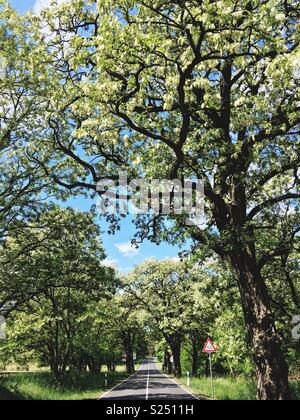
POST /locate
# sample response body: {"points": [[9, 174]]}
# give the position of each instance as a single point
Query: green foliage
{"points": [[186, 358], [295, 386], [160, 351], [51, 273], [166, 293], [41, 386], [232, 341]]}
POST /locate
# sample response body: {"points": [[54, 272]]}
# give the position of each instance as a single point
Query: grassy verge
{"points": [[40, 386], [227, 388]]}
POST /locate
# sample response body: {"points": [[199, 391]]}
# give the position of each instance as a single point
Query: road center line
{"points": [[148, 383]]}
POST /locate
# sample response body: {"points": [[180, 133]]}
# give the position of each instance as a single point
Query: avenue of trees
{"points": [[171, 89], [63, 306]]}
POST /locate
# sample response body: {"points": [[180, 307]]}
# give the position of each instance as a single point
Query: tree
{"points": [[18, 104], [202, 89], [50, 273], [20, 112], [125, 329], [97, 342], [166, 291], [129, 323]]}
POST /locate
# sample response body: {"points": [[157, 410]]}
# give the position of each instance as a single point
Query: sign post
{"points": [[188, 379], [210, 348], [211, 377]]}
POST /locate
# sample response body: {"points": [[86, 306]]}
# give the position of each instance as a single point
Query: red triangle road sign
{"points": [[209, 347]]}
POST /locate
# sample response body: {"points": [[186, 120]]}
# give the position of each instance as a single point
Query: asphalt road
{"points": [[149, 383]]}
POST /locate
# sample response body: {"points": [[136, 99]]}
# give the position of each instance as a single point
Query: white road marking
{"points": [[117, 386], [142, 368], [148, 383], [180, 386]]}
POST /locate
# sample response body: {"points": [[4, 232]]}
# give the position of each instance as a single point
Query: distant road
{"points": [[149, 383]]}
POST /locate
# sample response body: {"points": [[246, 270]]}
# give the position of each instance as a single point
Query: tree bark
{"points": [[177, 361], [57, 371], [176, 351], [127, 340], [174, 340], [238, 247], [167, 362], [271, 368], [129, 363], [94, 365]]}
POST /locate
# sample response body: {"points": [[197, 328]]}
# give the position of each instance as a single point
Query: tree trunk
{"points": [[94, 365], [167, 362], [57, 371], [127, 340], [176, 351], [110, 367], [129, 362], [130, 368], [271, 368]]}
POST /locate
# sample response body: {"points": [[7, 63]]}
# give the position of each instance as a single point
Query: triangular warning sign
{"points": [[209, 347]]}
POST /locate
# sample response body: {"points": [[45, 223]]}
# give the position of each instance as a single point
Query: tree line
{"points": [[69, 312]]}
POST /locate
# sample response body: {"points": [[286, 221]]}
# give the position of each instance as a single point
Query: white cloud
{"points": [[127, 249], [174, 259], [42, 4], [109, 262]]}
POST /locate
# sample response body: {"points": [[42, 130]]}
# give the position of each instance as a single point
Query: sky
{"points": [[120, 253]]}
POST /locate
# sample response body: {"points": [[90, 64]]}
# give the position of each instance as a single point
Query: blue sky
{"points": [[22, 5], [118, 247]]}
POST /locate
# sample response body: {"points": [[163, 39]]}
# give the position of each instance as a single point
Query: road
{"points": [[149, 383]]}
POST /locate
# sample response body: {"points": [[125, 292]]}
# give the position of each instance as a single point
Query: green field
{"points": [[227, 388], [40, 386]]}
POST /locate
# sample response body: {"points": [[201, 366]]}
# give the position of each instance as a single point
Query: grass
{"points": [[41, 386], [227, 388]]}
